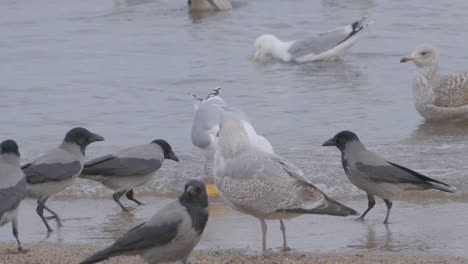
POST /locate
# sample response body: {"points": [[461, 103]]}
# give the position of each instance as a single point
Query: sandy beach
{"points": [[47, 253], [417, 233]]}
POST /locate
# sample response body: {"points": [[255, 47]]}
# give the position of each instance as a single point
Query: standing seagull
{"points": [[265, 185], [376, 176], [57, 169], [128, 168], [209, 113], [325, 46], [437, 96], [205, 127], [12, 186], [170, 235]]}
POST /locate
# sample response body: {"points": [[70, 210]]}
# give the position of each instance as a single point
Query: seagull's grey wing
{"points": [[318, 44], [325, 41], [139, 238], [44, 172], [394, 173], [11, 197], [110, 165], [452, 91]]}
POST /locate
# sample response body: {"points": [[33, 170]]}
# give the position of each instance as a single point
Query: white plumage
{"points": [[325, 46]]}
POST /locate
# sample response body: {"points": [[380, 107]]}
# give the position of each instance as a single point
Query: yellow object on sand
{"points": [[212, 191]]}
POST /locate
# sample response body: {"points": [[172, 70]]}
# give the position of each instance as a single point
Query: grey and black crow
{"points": [[167, 237], [57, 169], [128, 168], [12, 186], [377, 177]]}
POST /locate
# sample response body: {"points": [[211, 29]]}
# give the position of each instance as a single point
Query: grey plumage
{"points": [[209, 5], [41, 173], [376, 176], [325, 46], [57, 169], [325, 41], [128, 168], [437, 96], [12, 186], [263, 184], [170, 235]]}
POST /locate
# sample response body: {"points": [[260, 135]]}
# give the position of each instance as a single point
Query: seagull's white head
{"points": [[423, 56], [264, 46]]}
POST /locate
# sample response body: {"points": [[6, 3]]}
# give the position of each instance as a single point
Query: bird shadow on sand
{"points": [[440, 129]]}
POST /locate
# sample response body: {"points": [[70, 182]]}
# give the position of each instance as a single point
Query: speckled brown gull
{"points": [[263, 184], [437, 96]]}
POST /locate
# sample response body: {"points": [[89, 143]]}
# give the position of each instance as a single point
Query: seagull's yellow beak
{"points": [[212, 191], [257, 56]]}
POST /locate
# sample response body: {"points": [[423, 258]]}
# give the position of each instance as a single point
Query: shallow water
{"points": [[124, 69], [416, 227]]}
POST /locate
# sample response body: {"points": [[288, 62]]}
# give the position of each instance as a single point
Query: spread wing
{"points": [[45, 172]]}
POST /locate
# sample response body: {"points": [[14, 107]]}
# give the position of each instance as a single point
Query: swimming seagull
{"points": [[167, 237], [325, 46], [209, 5], [437, 96], [12, 186], [128, 168], [57, 169], [263, 184], [377, 177]]}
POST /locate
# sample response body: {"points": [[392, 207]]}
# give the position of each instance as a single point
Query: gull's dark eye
{"points": [[423, 53]]}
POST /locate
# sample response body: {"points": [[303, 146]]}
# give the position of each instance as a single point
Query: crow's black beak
{"points": [[96, 137], [173, 156], [330, 142]]}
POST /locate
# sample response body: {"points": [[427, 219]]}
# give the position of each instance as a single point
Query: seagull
{"points": [[57, 169], [167, 237], [377, 177], [437, 96], [209, 5], [128, 168], [265, 185], [12, 186], [325, 46], [209, 112]]}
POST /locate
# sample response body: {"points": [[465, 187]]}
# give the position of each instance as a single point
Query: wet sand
{"points": [[67, 254], [423, 225]]}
